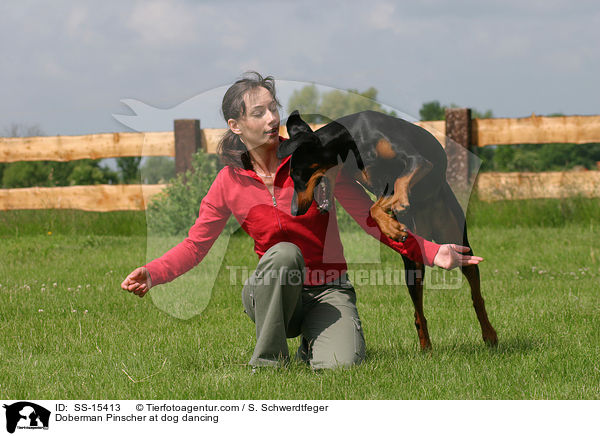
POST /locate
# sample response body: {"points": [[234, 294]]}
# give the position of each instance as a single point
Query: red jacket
{"points": [[268, 221]]}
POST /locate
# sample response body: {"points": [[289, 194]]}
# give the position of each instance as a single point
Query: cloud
{"points": [[381, 17], [76, 20], [86, 56], [161, 22]]}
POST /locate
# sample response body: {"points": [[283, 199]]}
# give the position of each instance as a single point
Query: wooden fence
{"points": [[457, 134]]}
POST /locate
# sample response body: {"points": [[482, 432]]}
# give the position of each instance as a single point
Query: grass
{"points": [[71, 223], [69, 332]]}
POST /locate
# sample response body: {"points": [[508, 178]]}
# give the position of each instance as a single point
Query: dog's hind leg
{"points": [[399, 201], [415, 273], [471, 272], [389, 226], [454, 231]]}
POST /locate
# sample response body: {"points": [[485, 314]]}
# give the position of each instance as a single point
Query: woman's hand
{"points": [[138, 282], [450, 256]]}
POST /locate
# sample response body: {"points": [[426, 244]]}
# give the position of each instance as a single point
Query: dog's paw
{"points": [[389, 226], [394, 230], [490, 338]]}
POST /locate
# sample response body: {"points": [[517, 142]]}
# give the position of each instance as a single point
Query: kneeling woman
{"points": [[299, 286]]}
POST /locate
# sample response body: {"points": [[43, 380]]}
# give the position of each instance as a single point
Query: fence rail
{"points": [[536, 130], [457, 134], [98, 146], [93, 198], [519, 186]]}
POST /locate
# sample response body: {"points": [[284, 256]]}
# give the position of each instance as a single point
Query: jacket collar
{"points": [[252, 173]]}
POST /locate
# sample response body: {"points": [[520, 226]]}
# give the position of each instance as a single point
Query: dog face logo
{"points": [[26, 415]]}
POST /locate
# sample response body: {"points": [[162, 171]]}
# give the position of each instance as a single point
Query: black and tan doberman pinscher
{"points": [[404, 166]]}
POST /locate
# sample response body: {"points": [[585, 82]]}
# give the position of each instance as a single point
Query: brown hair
{"points": [[231, 150]]}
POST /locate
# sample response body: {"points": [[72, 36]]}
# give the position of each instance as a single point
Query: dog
{"points": [[404, 166]]}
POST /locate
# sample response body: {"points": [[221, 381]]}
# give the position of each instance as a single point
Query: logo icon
{"points": [[26, 415]]}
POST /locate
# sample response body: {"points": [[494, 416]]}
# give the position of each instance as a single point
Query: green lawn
{"points": [[70, 332]]}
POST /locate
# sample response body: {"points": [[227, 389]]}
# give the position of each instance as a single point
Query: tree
{"points": [[15, 130], [50, 173], [433, 111], [477, 114], [333, 104], [157, 169], [25, 174], [305, 101], [539, 157], [130, 169], [89, 172]]}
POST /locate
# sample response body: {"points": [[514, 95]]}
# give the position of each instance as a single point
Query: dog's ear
{"points": [[296, 125], [286, 148]]}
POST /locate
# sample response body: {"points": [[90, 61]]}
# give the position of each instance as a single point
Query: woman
{"points": [[300, 285]]}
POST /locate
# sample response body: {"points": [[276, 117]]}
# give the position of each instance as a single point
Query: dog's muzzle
{"points": [[322, 195]]}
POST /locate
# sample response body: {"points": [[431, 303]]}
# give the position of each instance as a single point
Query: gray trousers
{"points": [[275, 298]]}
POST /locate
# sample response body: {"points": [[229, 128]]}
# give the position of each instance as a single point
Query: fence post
{"points": [[188, 140], [458, 143]]}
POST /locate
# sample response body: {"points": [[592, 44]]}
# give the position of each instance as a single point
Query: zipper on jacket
{"points": [[274, 202], [275, 206]]}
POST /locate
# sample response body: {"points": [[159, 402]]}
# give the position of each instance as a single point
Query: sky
{"points": [[79, 67]]}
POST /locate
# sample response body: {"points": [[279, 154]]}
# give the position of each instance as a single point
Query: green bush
{"points": [[175, 210]]}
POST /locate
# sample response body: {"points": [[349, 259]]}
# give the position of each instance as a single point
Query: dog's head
{"points": [[308, 166]]}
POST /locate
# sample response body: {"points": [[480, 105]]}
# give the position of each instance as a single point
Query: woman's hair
{"points": [[231, 150]]}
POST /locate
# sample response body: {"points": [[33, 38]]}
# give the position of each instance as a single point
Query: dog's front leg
{"points": [[389, 226]]}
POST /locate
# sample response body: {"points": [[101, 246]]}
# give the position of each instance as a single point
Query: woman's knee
{"points": [[343, 347], [284, 255], [280, 271], [337, 360]]}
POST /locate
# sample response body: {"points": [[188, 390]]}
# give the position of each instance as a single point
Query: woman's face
{"points": [[260, 125]]}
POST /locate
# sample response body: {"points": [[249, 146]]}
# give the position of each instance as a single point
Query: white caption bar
{"points": [[296, 417]]}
